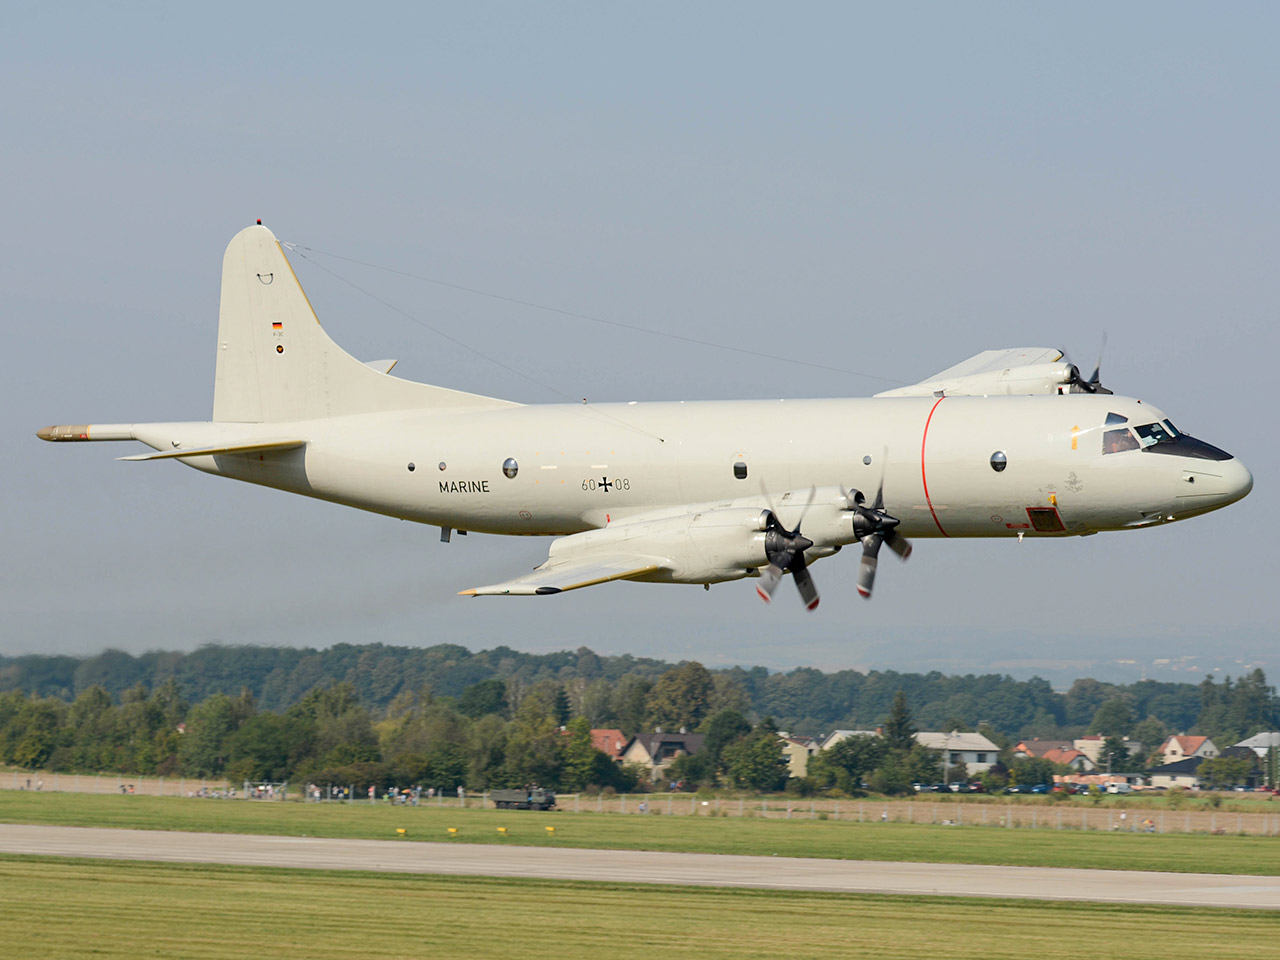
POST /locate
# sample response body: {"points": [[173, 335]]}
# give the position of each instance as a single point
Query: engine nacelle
{"points": [[1032, 378]]}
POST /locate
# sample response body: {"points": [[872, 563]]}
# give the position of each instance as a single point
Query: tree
{"points": [[1150, 732], [579, 755], [1115, 757], [1113, 719], [899, 730], [681, 697], [203, 751], [756, 761], [487, 696], [721, 730], [846, 764], [1030, 771], [268, 746], [629, 702], [1226, 771], [534, 748], [560, 709], [699, 769]]}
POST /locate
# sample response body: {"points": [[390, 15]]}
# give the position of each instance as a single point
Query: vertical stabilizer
{"points": [[276, 363]]}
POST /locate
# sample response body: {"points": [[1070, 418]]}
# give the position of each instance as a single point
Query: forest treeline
{"points": [[610, 690], [504, 718]]}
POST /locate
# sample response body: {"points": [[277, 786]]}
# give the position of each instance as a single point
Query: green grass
{"points": [[79, 908], [829, 839]]}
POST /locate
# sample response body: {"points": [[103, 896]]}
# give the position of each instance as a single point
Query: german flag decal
{"points": [[277, 325]]}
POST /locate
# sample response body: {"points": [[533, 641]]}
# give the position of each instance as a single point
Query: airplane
{"points": [[1012, 442]]}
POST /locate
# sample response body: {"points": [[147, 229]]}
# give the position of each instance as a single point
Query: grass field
{"points": [[78, 908], [789, 838]]}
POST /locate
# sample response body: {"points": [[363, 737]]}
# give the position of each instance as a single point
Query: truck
{"points": [[534, 798]]}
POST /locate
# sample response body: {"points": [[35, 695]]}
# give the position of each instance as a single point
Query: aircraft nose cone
{"points": [[1210, 485], [1237, 479]]}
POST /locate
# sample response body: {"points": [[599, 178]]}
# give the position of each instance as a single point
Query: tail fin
{"points": [[276, 363]]}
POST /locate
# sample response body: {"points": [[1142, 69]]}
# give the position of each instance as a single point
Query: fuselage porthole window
{"points": [[999, 461], [510, 468], [740, 470]]}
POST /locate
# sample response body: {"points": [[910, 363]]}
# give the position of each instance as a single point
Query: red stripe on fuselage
{"points": [[923, 477]]}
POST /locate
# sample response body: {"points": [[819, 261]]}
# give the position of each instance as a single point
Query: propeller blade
{"points": [[1096, 380], [867, 569], [813, 490], [804, 583], [879, 503], [898, 544], [768, 582]]}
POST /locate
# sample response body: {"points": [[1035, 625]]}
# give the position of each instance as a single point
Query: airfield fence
{"points": [[988, 812], [44, 781]]}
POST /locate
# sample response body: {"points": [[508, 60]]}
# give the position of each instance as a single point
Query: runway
{"points": [[630, 866]]}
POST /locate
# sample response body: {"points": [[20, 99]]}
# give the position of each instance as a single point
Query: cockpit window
{"points": [[1116, 441], [1115, 418], [1149, 434], [1173, 431]]}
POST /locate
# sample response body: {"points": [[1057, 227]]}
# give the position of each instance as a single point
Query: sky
{"points": [[884, 189]]}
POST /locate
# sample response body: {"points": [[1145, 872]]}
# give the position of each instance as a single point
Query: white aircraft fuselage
{"points": [[684, 487]]}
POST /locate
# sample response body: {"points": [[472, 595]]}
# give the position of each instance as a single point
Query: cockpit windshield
{"points": [[1149, 434], [1158, 437]]}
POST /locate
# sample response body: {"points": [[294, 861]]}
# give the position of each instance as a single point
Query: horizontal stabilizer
{"points": [[259, 447], [570, 575]]}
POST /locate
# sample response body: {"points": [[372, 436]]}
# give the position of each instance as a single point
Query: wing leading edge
{"points": [[570, 574]]}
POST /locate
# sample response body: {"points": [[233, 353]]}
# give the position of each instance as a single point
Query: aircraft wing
{"points": [[1013, 371], [572, 573]]}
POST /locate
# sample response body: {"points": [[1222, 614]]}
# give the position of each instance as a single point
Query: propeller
{"points": [[785, 550], [1094, 383], [874, 527]]}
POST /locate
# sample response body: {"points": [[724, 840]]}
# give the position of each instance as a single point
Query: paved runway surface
{"points": [[629, 866]]}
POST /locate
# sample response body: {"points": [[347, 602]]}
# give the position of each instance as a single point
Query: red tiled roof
{"points": [[1038, 748], [1188, 745], [609, 741], [1062, 756]]}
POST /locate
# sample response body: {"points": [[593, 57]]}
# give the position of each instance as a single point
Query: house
{"points": [[798, 750], [1091, 747], [1182, 773], [656, 751], [610, 742], [1075, 759], [1180, 747], [1261, 743], [976, 752], [1038, 748]]}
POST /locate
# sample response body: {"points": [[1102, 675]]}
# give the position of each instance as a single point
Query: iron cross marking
{"points": [[605, 485]]}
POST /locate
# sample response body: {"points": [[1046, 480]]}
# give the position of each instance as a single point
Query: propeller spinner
{"points": [[874, 527], [785, 550]]}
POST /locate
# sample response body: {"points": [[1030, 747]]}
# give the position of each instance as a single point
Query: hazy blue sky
{"points": [[883, 190]]}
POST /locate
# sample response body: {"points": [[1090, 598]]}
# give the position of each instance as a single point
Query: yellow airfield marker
{"points": [[402, 831], [503, 831], [453, 831], [551, 831]]}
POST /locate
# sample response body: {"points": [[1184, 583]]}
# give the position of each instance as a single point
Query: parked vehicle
{"points": [[532, 799], [1119, 788]]}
